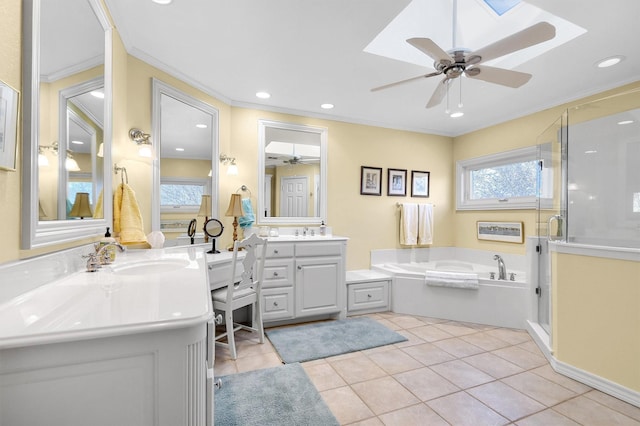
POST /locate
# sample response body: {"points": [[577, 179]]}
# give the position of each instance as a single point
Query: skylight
{"points": [[479, 23]]}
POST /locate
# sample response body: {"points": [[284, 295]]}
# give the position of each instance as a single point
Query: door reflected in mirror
{"points": [[292, 173]]}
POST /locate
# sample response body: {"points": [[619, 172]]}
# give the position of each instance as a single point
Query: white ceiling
{"points": [[306, 53]]}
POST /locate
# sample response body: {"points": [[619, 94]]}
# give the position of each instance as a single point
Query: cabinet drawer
{"points": [[277, 304], [278, 250], [319, 249], [277, 273], [220, 274], [369, 295]]}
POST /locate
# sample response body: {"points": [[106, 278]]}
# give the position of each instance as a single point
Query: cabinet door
{"points": [[319, 281]]}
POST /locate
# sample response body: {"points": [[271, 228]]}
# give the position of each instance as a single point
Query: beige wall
{"points": [[596, 316]]}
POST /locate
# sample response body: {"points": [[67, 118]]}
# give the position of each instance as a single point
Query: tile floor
{"points": [[446, 373]]}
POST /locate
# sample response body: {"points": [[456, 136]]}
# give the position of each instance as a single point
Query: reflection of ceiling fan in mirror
{"points": [[296, 159], [454, 63]]}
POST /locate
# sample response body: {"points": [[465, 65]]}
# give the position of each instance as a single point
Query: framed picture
{"points": [[397, 182], [509, 232], [8, 126], [370, 180], [419, 183]]}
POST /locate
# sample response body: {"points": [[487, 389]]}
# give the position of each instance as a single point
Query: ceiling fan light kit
{"points": [[458, 61]]}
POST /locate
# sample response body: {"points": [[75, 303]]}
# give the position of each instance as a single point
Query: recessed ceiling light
{"points": [[78, 142], [98, 94], [163, 2], [326, 106], [591, 151], [625, 122], [179, 149], [609, 62], [457, 114], [263, 95], [201, 126]]}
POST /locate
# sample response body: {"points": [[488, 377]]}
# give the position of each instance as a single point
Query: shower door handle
{"points": [[558, 235]]}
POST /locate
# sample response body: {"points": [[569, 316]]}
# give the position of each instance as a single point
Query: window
{"points": [[508, 180], [182, 195]]}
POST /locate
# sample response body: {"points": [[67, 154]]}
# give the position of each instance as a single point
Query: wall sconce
{"points": [[231, 162], [70, 163], [142, 139]]}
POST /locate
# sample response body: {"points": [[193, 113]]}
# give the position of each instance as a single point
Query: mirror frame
{"points": [[36, 233], [159, 88], [323, 133]]}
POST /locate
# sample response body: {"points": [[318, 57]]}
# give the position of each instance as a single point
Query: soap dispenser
{"points": [[108, 239], [323, 229]]}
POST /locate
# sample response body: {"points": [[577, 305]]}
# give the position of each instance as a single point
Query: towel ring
{"points": [[244, 188], [124, 174]]}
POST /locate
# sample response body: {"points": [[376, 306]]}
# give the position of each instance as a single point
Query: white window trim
{"points": [[463, 168], [169, 180]]}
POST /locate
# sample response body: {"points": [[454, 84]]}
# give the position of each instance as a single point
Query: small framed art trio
{"points": [[371, 182]]}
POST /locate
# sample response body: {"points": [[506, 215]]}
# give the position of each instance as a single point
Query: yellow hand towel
{"points": [[127, 220]]}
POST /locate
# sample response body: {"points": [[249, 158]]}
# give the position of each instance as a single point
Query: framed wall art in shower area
{"points": [[509, 232], [8, 126], [397, 182], [370, 180]]}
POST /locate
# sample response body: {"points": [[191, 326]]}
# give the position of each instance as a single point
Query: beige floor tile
{"points": [[224, 367], [406, 322], [456, 328], [428, 354], [461, 409], [426, 384], [547, 372], [430, 333], [531, 347], [546, 418], [412, 339], [345, 405], [615, 404], [258, 362], [485, 341], [430, 320], [384, 394], [357, 369], [373, 421], [389, 324], [415, 415], [461, 374], [589, 412], [515, 337], [323, 376], [505, 400], [539, 388], [458, 347], [520, 357], [394, 361], [493, 365]]}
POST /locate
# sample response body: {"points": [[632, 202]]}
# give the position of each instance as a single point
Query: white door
{"points": [[267, 195], [294, 195]]}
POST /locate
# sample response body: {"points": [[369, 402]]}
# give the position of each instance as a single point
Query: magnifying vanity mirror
{"points": [[185, 165], [213, 228], [292, 174], [66, 121]]}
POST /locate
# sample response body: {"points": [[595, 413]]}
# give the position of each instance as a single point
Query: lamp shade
{"points": [[205, 206], [235, 206], [81, 207]]}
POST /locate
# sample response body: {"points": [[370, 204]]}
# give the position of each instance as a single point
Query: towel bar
{"points": [[398, 204]]}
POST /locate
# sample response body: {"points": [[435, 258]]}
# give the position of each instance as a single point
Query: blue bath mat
{"points": [[323, 339], [282, 396]]}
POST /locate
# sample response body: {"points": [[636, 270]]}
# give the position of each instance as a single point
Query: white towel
{"points": [[452, 279], [409, 224], [425, 224]]}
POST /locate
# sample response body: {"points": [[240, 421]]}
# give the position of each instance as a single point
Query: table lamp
{"points": [[235, 210], [205, 210], [81, 207]]}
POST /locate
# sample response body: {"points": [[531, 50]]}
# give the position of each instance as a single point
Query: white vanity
{"points": [[128, 344]]}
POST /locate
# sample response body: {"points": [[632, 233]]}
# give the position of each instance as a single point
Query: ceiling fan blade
{"points": [[439, 93], [500, 76], [530, 36], [386, 86], [429, 48]]}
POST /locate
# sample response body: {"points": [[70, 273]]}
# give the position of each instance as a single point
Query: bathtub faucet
{"points": [[502, 270]]}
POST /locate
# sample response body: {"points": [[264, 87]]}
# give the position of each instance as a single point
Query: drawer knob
{"points": [[300, 267], [275, 251], [275, 304], [275, 274], [210, 267], [369, 296]]}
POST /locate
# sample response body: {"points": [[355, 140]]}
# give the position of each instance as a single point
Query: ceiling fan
{"points": [[459, 61], [296, 159]]}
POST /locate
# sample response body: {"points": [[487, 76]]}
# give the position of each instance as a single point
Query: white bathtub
{"points": [[503, 303]]}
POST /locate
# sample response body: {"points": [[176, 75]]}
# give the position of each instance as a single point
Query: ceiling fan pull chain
{"points": [[454, 24], [447, 110], [460, 101]]}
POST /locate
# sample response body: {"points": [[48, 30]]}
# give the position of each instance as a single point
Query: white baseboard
{"points": [[607, 386]]}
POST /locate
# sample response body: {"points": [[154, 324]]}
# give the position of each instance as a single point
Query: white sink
{"points": [[145, 267]]}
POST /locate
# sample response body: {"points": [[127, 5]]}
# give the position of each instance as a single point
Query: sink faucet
{"points": [[102, 254], [502, 270], [304, 231]]}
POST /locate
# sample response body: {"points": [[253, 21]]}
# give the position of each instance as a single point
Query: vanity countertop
{"points": [[305, 238], [143, 290]]}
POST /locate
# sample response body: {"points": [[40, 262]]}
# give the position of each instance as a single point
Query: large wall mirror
{"points": [[185, 166], [292, 173], [66, 121]]}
